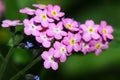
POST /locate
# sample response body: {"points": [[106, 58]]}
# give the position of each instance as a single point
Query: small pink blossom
{"points": [[98, 46], [54, 12], [85, 47], [90, 30], [72, 42], [9, 23], [60, 51], [56, 30], [70, 24], [106, 30], [41, 17], [49, 60], [44, 39], [31, 28], [28, 11], [40, 6]]}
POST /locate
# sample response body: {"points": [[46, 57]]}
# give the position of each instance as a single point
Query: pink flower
{"points": [[44, 39], [31, 28], [9, 23], [70, 24], [54, 12], [56, 30], [90, 31], [41, 17], [106, 30], [72, 42], [40, 6], [28, 11], [49, 60], [98, 46], [60, 51], [85, 47]]}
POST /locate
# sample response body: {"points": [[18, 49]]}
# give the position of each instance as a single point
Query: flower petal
{"points": [[54, 65], [86, 37], [63, 58], [46, 44], [47, 64]]}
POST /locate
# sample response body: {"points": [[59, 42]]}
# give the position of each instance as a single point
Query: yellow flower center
{"points": [[72, 41], [43, 5], [43, 16], [98, 46], [63, 50], [54, 13], [104, 31], [69, 26], [90, 30]]}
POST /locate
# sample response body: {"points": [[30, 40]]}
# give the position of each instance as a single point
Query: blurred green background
{"points": [[78, 66]]}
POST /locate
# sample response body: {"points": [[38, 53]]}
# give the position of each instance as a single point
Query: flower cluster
{"points": [[63, 36]]}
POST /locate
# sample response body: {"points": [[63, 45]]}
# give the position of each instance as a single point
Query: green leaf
{"points": [[79, 65], [21, 56], [10, 42]]}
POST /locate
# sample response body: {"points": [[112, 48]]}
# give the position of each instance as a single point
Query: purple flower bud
{"points": [[28, 45], [36, 78]]}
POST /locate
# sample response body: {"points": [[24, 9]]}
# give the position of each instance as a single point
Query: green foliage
{"points": [[21, 56]]}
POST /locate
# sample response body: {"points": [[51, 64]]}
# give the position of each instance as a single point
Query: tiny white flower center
{"points": [[51, 59], [63, 50], [32, 27], [44, 37], [57, 30], [84, 45]]}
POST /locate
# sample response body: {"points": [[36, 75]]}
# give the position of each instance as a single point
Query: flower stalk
{"points": [[6, 60], [22, 72]]}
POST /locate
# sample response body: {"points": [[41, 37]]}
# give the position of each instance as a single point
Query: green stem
{"points": [[42, 72], [5, 62], [1, 57], [22, 72], [12, 29]]}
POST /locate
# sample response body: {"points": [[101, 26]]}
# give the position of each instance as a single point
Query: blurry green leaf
{"points": [[10, 42], [4, 35], [1, 58], [79, 65], [25, 3], [21, 56], [19, 28]]}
